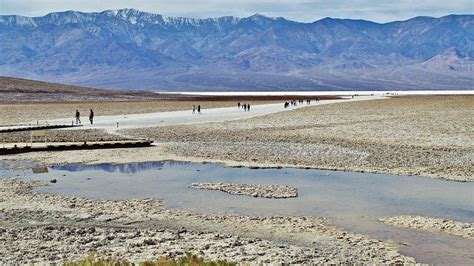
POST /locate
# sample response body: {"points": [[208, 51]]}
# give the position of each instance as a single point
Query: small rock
{"points": [[149, 242]]}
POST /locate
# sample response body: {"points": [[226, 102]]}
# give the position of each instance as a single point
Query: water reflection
{"points": [[130, 168], [321, 193]]}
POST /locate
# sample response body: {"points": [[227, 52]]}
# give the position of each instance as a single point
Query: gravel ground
{"points": [[432, 224], [258, 191], [42, 227], [426, 136]]}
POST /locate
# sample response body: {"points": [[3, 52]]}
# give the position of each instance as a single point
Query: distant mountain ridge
{"points": [[128, 48]]}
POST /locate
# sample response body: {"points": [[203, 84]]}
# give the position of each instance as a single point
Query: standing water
{"points": [[354, 201]]}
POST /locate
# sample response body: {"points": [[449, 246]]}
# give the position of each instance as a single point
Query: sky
{"points": [[297, 10]]}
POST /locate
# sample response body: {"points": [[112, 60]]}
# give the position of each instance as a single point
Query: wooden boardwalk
{"points": [[16, 148], [34, 127]]}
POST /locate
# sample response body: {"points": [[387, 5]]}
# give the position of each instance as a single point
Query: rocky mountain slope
{"points": [[15, 90], [128, 48]]}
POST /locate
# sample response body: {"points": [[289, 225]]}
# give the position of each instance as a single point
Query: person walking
{"points": [[78, 117], [245, 107], [248, 107], [199, 109], [238, 105], [194, 109], [91, 117]]}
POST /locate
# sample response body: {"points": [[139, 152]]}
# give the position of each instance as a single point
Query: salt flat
{"points": [[415, 135], [336, 93], [145, 120], [422, 135]]}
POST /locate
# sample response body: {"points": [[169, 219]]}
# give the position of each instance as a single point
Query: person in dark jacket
{"points": [[91, 117], [78, 117]]}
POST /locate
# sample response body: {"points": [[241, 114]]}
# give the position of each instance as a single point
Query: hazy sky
{"points": [[299, 10]]}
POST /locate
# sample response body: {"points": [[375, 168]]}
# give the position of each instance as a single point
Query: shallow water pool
{"points": [[353, 201]]}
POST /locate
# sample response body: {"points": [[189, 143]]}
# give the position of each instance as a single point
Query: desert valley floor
{"points": [[425, 141]]}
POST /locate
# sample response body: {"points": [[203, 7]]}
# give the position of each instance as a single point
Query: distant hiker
{"points": [[238, 105], [245, 107], [78, 117], [199, 109], [91, 117], [248, 107], [194, 109]]}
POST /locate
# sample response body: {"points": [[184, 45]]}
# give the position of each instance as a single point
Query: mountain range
{"points": [[131, 49]]}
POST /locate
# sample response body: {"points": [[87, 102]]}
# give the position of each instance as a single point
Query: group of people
{"points": [[295, 103], [288, 103], [198, 109], [78, 117], [244, 106]]}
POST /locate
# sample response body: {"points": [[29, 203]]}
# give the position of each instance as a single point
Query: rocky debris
{"points": [[53, 181], [44, 227], [71, 242], [432, 224], [258, 191]]}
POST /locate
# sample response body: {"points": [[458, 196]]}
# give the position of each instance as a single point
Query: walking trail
{"points": [[128, 121]]}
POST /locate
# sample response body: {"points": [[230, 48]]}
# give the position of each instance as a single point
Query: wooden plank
{"points": [[32, 128], [76, 146]]}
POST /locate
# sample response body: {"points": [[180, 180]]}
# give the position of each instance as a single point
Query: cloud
{"points": [[298, 10]]}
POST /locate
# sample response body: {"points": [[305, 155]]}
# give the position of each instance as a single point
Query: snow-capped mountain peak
{"points": [[132, 48]]}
